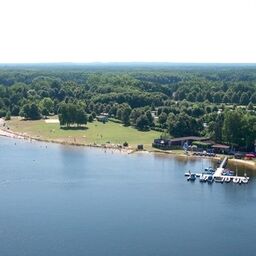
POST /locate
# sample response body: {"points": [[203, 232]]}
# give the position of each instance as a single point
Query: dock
{"points": [[218, 173], [219, 177], [220, 169]]}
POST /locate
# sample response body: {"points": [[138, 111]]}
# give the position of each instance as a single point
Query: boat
{"points": [[202, 178], [209, 170], [236, 180], [187, 174], [210, 179], [219, 179], [228, 172], [227, 179], [192, 177], [245, 180]]}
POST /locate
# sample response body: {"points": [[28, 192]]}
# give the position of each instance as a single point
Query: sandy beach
{"points": [[4, 131]]}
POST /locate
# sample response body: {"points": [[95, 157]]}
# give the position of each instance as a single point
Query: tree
{"points": [[47, 105], [244, 99], [249, 131], [45, 112], [70, 113], [119, 113], [2, 113], [150, 117], [183, 125], [250, 106], [142, 123], [126, 115], [253, 98], [234, 98], [8, 116], [199, 97], [232, 127], [134, 115], [90, 118], [34, 112], [197, 111], [15, 110], [30, 111], [162, 118], [80, 116], [217, 97], [215, 127], [225, 98]]}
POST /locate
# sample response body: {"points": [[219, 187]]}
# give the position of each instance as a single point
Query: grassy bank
{"points": [[95, 132]]}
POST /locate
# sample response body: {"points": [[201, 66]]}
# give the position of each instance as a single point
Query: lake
{"points": [[60, 201]]}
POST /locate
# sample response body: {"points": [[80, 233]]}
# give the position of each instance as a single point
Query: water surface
{"points": [[61, 201]]}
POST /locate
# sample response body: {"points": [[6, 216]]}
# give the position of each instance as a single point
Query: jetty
{"points": [[220, 169], [218, 175]]}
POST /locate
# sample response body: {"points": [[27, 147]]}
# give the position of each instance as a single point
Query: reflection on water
{"points": [[207, 162], [60, 200], [242, 169]]}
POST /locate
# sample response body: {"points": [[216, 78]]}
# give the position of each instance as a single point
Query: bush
{"points": [[90, 118], [2, 112], [126, 144]]}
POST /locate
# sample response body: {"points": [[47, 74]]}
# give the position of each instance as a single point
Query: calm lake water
{"points": [[63, 201]]}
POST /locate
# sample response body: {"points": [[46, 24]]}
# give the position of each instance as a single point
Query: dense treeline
{"points": [[180, 100]]}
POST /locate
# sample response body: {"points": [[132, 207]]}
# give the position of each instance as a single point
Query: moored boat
{"points": [[227, 179], [236, 180], [219, 179], [228, 172], [209, 170], [210, 179], [245, 180], [192, 177], [202, 178], [187, 174]]}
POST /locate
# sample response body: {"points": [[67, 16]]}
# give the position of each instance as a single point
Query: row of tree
{"points": [[184, 101], [70, 114]]}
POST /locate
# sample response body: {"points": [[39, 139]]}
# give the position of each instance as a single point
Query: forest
{"points": [[179, 100]]}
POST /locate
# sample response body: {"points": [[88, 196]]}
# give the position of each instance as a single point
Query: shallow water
{"points": [[59, 200]]}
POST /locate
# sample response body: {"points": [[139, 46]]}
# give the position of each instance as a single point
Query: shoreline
{"points": [[14, 135], [129, 150]]}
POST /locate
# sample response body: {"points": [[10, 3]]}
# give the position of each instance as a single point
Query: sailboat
{"points": [[203, 177], [245, 179], [236, 179]]}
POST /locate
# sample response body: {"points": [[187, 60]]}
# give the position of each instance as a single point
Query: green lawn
{"points": [[95, 132]]}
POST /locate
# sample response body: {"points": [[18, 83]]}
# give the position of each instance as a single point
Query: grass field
{"points": [[95, 132]]}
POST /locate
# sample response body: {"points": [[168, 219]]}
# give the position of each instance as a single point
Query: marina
{"points": [[220, 175]]}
